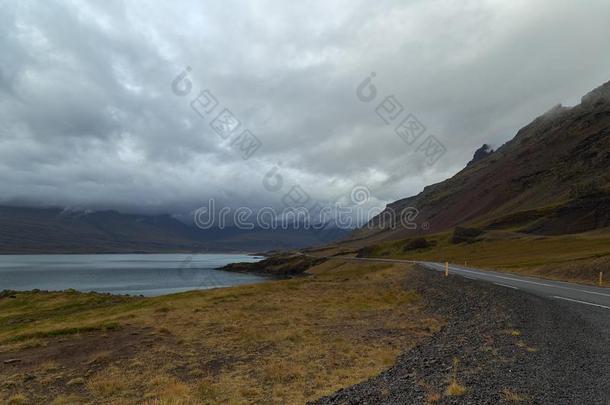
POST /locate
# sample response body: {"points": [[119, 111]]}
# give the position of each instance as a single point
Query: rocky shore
{"points": [[279, 265]]}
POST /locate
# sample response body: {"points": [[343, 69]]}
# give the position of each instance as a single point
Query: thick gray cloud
{"points": [[88, 117]]}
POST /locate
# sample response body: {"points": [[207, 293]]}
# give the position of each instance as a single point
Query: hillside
{"points": [[56, 230], [552, 178]]}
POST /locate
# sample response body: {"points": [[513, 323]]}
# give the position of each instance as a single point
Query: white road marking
{"points": [[492, 275], [486, 275], [581, 302], [506, 285]]}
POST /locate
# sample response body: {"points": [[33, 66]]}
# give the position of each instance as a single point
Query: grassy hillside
{"points": [[552, 178], [575, 257], [541, 203]]}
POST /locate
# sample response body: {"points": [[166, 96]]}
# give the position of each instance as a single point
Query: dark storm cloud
{"points": [[88, 118]]}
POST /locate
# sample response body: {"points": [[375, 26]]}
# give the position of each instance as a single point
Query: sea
{"points": [[132, 274]]}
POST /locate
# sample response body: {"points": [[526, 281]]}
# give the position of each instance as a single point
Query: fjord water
{"points": [[133, 274]]}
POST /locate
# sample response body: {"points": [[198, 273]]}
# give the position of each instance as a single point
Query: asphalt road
{"points": [[573, 293], [510, 335]]}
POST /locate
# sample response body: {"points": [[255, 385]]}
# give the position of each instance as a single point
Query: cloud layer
{"points": [[88, 117]]}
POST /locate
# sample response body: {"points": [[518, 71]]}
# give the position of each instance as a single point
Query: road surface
{"points": [[573, 293], [548, 342]]}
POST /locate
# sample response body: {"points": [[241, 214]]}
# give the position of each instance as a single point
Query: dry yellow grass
{"points": [[72, 399], [455, 389], [511, 396], [17, 399], [577, 258], [278, 342], [109, 381]]}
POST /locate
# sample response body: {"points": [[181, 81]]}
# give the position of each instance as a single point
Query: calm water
{"points": [[135, 274]]}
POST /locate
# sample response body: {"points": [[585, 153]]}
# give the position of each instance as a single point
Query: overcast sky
{"points": [[88, 117]]}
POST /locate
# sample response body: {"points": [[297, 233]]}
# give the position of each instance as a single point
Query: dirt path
{"points": [[499, 346]]}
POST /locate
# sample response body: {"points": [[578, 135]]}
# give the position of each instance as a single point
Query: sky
{"points": [[158, 107]]}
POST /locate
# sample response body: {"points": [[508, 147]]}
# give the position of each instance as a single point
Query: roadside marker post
{"points": [[446, 269], [601, 278]]}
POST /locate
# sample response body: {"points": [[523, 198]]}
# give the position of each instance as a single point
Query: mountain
{"points": [[552, 178], [57, 230]]}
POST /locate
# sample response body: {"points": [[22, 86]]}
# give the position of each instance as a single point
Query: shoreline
{"points": [[279, 266], [176, 278], [69, 253]]}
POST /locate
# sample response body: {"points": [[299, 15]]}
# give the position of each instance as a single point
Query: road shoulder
{"points": [[500, 345]]}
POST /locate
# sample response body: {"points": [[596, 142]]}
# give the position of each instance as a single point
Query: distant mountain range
{"points": [[552, 178], [57, 230]]}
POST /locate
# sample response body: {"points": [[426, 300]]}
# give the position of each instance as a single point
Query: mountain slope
{"points": [[55, 230], [553, 177], [35, 230]]}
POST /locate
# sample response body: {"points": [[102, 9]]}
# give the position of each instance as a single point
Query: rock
{"points": [[481, 153], [418, 243], [76, 381], [285, 265], [461, 234], [599, 95]]}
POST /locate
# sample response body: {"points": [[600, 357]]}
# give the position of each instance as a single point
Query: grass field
{"points": [[577, 258], [277, 342]]}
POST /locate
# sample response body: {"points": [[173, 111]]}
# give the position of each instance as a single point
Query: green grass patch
{"points": [[513, 252], [65, 331]]}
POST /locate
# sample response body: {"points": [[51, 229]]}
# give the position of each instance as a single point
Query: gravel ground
{"points": [[501, 345]]}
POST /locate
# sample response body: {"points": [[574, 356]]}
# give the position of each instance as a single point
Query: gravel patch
{"points": [[499, 345]]}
